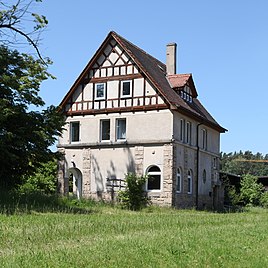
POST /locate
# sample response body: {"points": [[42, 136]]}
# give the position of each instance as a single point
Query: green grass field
{"points": [[98, 235]]}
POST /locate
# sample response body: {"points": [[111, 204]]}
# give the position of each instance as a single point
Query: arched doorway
{"points": [[75, 178]]}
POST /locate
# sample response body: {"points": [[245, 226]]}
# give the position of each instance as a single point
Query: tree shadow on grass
{"points": [[12, 203]]}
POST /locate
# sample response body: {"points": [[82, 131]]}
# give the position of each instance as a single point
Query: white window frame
{"points": [[101, 129], [117, 129], [179, 180], [71, 131], [158, 173], [130, 88], [96, 91], [189, 182]]}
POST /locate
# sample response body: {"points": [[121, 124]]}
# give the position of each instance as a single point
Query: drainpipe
{"points": [[197, 163]]}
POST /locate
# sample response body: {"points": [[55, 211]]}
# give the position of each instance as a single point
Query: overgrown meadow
{"points": [[57, 232]]}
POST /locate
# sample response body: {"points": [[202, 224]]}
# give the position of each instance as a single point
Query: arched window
{"points": [[190, 182], [179, 181], [204, 176], [154, 178]]}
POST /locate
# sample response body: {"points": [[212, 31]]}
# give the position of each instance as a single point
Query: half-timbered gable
{"points": [[112, 82], [129, 112]]}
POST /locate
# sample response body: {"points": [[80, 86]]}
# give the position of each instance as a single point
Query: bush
{"points": [[133, 197], [232, 197], [251, 190], [44, 180], [264, 200]]}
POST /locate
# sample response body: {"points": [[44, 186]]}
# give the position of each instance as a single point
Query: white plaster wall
{"points": [[88, 92], [150, 126], [140, 127], [110, 163], [112, 89], [75, 155], [213, 136], [138, 87]]}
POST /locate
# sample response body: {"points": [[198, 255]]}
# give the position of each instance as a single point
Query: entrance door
{"points": [[76, 176]]}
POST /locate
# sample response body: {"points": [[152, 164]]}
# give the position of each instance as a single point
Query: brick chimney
{"points": [[171, 58]]}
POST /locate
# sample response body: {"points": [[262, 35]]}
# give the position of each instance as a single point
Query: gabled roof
{"points": [[180, 80], [155, 71]]}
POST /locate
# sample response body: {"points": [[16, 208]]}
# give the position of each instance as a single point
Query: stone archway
{"points": [[76, 175]]}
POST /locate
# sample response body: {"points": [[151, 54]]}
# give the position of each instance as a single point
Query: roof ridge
{"points": [[140, 49]]}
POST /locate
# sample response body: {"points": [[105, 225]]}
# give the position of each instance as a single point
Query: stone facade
{"points": [[86, 171]]}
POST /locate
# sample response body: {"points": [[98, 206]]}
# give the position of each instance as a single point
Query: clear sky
{"points": [[224, 44]]}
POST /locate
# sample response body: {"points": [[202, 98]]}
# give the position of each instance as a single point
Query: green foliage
{"points": [[25, 135], [231, 195], [264, 200], [251, 190], [17, 203], [133, 197], [44, 180], [241, 163]]}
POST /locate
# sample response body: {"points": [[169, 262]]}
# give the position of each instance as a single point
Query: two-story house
{"points": [[129, 112]]}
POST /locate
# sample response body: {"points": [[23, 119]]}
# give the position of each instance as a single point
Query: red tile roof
{"points": [[178, 80]]}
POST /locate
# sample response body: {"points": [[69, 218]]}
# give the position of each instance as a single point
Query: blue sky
{"points": [[224, 44]]}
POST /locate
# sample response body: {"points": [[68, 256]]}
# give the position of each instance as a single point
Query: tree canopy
{"points": [[241, 163], [27, 129]]}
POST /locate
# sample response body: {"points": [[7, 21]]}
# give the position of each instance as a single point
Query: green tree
{"points": [[244, 163], [25, 134]]}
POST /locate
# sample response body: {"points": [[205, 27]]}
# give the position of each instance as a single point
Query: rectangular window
{"points": [[121, 129], [74, 131], [188, 132], [105, 130], [190, 182], [181, 129], [126, 88], [179, 180], [204, 139], [100, 91]]}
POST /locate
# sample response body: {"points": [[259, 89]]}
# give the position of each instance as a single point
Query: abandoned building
{"points": [[129, 112]]}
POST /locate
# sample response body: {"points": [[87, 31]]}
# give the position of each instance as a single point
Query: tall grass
{"points": [[155, 237]]}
